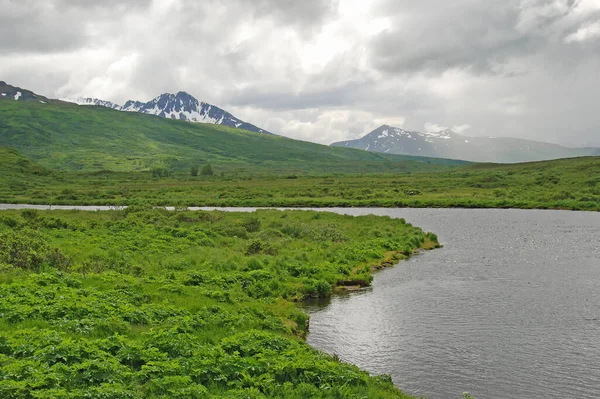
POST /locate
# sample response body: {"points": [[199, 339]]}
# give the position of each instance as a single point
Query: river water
{"points": [[509, 308]]}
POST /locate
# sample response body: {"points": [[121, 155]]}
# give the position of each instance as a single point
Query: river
{"points": [[509, 308]]}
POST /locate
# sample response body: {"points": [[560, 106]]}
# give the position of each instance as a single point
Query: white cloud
{"points": [[588, 32], [460, 128], [434, 127]]}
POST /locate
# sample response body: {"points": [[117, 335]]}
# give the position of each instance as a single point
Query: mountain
{"points": [[181, 106], [91, 101], [65, 136], [451, 145], [8, 92]]}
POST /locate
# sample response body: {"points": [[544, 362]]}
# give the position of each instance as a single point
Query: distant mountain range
{"points": [[448, 144], [180, 106], [385, 139]]}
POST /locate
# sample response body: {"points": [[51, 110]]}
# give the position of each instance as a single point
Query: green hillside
{"points": [[17, 166], [21, 176], [71, 137]]}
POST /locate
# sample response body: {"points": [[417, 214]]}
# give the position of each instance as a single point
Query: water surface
{"points": [[509, 308]]}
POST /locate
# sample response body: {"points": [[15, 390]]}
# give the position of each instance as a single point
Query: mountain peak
{"points": [[8, 92], [448, 144], [181, 106], [184, 94]]}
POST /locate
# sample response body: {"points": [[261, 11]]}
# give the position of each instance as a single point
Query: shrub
{"points": [[9, 222], [253, 264], [29, 214], [252, 224], [255, 247], [432, 237], [207, 170], [23, 249]]}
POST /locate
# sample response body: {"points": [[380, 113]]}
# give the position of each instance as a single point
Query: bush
{"points": [[255, 247], [252, 224], [432, 237], [23, 249], [9, 222], [29, 214], [207, 170]]}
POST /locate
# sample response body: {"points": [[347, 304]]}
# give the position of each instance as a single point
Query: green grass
{"points": [[146, 303], [562, 184], [70, 137]]}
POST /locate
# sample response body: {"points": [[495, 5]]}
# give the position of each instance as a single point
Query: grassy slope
{"points": [[70, 137], [561, 184], [146, 303], [19, 174]]}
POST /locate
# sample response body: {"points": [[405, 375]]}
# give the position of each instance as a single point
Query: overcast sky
{"points": [[325, 70]]}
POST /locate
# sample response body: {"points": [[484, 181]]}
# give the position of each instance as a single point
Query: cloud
{"points": [[434, 127], [460, 128], [325, 70], [588, 32], [29, 28]]}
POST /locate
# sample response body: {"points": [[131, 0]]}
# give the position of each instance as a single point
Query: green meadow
{"points": [[561, 184], [147, 303]]}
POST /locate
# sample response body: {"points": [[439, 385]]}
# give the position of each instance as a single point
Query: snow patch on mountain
{"points": [[91, 101], [181, 106], [18, 95], [449, 144]]}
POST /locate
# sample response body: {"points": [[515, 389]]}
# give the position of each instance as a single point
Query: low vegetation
{"points": [[147, 303], [561, 184]]}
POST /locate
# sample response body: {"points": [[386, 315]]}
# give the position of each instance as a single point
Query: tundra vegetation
{"points": [[149, 303], [561, 184]]}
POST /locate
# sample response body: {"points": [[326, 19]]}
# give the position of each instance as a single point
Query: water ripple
{"points": [[509, 308]]}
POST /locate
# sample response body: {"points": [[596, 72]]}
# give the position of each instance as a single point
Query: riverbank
{"points": [[150, 303]]}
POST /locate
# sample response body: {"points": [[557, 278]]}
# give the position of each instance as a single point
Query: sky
{"points": [[325, 70]]}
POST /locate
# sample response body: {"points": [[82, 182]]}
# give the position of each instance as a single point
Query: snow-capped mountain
{"points": [[449, 144], [180, 106], [91, 101], [185, 107], [8, 92]]}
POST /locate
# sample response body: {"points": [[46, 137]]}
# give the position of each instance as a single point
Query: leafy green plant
{"points": [[132, 304]]}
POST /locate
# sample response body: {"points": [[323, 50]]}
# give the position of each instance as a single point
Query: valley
{"points": [[145, 302]]}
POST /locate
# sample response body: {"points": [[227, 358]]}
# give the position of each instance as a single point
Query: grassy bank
{"points": [[561, 184], [145, 303]]}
